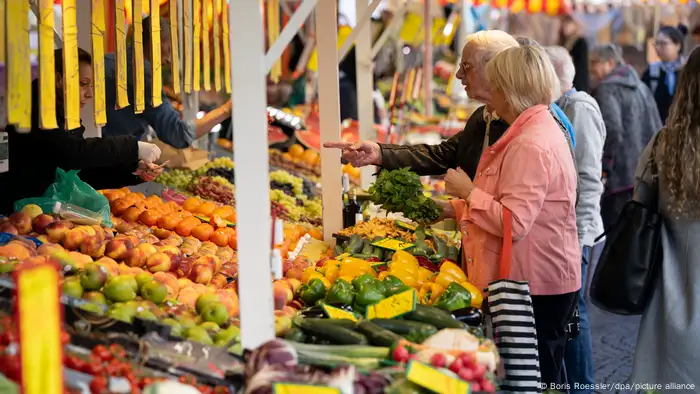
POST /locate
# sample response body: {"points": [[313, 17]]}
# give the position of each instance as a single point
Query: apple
{"points": [[158, 262], [32, 210], [93, 277], [154, 291], [9, 228], [71, 287], [22, 222], [142, 278], [40, 222], [282, 294], [135, 258], [93, 246], [215, 312]]}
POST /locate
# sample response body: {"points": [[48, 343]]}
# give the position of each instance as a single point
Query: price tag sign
{"points": [[39, 318], [394, 306], [435, 380], [291, 388], [392, 244], [337, 313]]}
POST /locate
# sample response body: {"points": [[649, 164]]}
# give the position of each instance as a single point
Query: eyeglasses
{"points": [[661, 43], [465, 66]]}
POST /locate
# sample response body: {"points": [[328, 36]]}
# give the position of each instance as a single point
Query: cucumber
{"points": [[330, 332], [345, 323], [376, 335], [367, 247], [362, 256], [453, 253], [405, 327], [296, 335], [337, 251], [434, 316], [354, 245], [388, 255]]}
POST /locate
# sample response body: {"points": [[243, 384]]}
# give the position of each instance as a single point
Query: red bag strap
{"points": [[507, 251]]}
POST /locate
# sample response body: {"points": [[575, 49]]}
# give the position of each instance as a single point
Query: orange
{"points": [[310, 157], [206, 208], [316, 233], [233, 240], [296, 150], [202, 231], [224, 211], [191, 204]]}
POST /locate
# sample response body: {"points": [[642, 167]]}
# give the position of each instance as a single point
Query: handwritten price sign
{"points": [[435, 380], [394, 306], [337, 313], [289, 388], [392, 244]]}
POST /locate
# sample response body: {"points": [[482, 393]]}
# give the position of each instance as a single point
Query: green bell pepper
{"points": [[313, 291], [341, 292], [455, 297], [394, 285], [361, 280], [369, 294]]}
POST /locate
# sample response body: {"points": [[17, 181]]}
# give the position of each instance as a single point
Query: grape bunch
{"points": [[308, 188], [220, 162], [227, 173], [211, 189], [287, 188], [176, 179], [283, 177]]}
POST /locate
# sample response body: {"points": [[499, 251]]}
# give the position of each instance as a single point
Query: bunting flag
{"points": [[71, 65], [187, 38], [175, 47], [156, 61], [227, 48], [98, 61], [120, 54], [47, 71], [19, 77], [139, 64]]}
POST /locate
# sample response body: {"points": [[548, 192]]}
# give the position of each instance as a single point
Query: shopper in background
{"points": [[571, 38], [661, 76], [695, 34], [529, 171], [163, 119], [589, 127], [103, 162], [631, 120], [668, 345]]}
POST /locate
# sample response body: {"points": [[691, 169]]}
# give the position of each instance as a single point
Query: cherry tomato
{"points": [[135, 390], [75, 363], [94, 367], [125, 369], [114, 368], [438, 359], [65, 338], [456, 365], [475, 387], [7, 337], [204, 389], [11, 366], [466, 374], [102, 353], [145, 382], [117, 350], [188, 379], [487, 386], [479, 371], [400, 354], [468, 359], [98, 385], [221, 390]]}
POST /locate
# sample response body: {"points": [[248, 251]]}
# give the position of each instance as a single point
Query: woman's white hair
{"points": [[490, 42], [563, 65], [525, 76]]}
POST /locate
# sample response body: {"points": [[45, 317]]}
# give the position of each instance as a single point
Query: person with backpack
{"points": [[661, 76]]}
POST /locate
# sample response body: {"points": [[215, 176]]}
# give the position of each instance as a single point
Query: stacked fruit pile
{"points": [[296, 196], [306, 162]]}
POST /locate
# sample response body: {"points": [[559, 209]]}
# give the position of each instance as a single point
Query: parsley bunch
{"points": [[401, 191]]}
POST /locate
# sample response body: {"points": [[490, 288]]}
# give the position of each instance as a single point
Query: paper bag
{"points": [[189, 158]]}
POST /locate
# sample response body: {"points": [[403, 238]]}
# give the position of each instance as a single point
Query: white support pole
{"points": [[84, 19], [359, 28], [329, 114], [252, 180], [365, 105], [287, 34], [427, 59]]}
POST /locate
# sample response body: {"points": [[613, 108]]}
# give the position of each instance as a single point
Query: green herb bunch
{"points": [[401, 191]]}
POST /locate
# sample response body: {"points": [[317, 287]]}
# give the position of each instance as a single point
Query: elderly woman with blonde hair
{"points": [[529, 171]]}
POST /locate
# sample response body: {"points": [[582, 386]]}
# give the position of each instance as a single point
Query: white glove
{"points": [[148, 152]]}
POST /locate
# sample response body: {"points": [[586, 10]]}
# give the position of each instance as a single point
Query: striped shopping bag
{"points": [[511, 323]]}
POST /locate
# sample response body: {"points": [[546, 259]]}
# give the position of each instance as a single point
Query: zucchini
{"points": [[296, 335], [349, 351], [337, 251], [330, 332], [434, 316], [345, 323], [362, 256], [440, 245], [378, 336], [453, 253], [354, 245], [367, 247], [405, 327], [388, 255]]}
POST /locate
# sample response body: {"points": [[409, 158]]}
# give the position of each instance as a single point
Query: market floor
{"points": [[614, 340]]}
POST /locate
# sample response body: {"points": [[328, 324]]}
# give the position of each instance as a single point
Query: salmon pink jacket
{"points": [[530, 171]]}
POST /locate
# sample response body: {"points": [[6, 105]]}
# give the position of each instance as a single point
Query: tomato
{"points": [[400, 354], [479, 371], [438, 359], [117, 350], [188, 379], [94, 367], [204, 389], [65, 338], [135, 390], [466, 374], [102, 353], [98, 385], [7, 337], [456, 365], [114, 368], [11, 366], [76, 363], [145, 382], [125, 369]]}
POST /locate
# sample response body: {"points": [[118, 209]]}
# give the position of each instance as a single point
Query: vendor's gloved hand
{"points": [[148, 171], [148, 152]]}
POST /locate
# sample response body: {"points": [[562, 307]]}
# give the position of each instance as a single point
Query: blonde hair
{"points": [[490, 42], [525, 76]]}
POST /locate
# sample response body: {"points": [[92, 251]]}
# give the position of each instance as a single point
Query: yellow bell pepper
{"points": [[382, 275], [326, 282], [330, 262], [429, 293], [403, 257], [332, 272], [477, 297], [397, 266], [406, 277], [345, 278], [454, 270], [445, 278], [309, 274], [365, 265]]}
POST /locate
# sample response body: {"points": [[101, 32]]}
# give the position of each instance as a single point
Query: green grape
{"points": [[286, 178]]}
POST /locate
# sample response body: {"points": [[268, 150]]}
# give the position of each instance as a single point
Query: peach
{"points": [[150, 239], [158, 262], [110, 265], [16, 250], [294, 273], [40, 222], [124, 227], [93, 247], [80, 259], [190, 246], [230, 301], [219, 281], [90, 230], [184, 282], [212, 261], [184, 267], [282, 294], [123, 269], [188, 297], [226, 254], [74, 237], [201, 273], [170, 281], [208, 248], [117, 248], [48, 249], [135, 258], [147, 249], [162, 233], [32, 210], [295, 284], [36, 260], [22, 222], [230, 270], [8, 228], [289, 311]]}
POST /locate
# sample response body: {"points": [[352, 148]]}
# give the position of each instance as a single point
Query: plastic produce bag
{"points": [[69, 189]]}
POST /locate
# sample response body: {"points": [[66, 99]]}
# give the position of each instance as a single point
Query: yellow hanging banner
{"points": [[273, 32], [412, 28], [156, 62], [19, 76], [120, 54], [174, 47], [139, 64], [2, 32], [227, 49], [196, 35], [40, 349], [98, 61], [187, 28], [206, 58], [71, 70], [217, 45], [47, 71], [343, 33]]}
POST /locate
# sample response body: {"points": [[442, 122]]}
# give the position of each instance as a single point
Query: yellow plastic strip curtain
{"points": [[47, 71], [71, 71], [156, 69], [19, 77], [227, 48], [139, 64], [98, 61], [175, 47], [187, 17], [273, 32], [196, 35], [120, 53], [2, 32], [217, 45], [206, 57]]}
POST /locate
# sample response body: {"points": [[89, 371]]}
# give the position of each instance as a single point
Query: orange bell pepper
{"points": [[445, 278], [429, 293]]}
